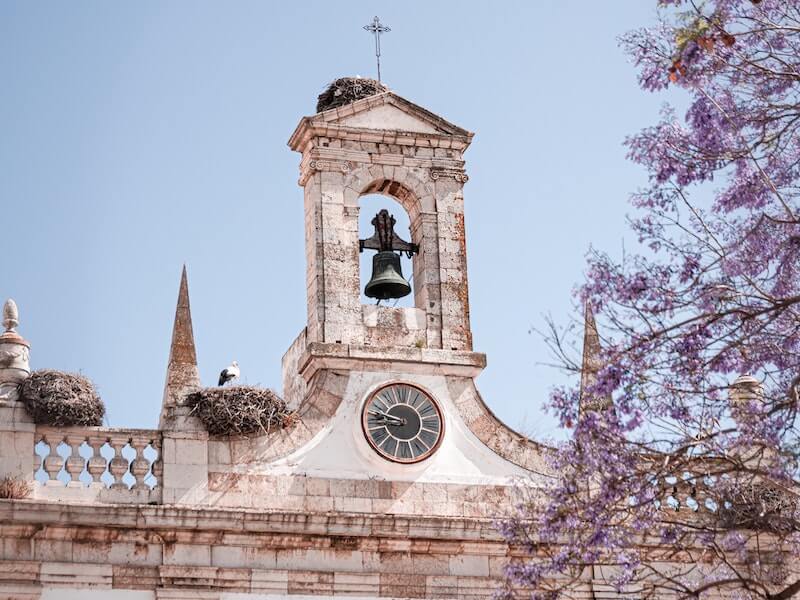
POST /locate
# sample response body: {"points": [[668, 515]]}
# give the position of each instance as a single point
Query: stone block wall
{"points": [[369, 496], [173, 552]]}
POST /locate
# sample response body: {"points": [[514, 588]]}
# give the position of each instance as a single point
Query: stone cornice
{"points": [[306, 131], [206, 523], [320, 158], [320, 355]]}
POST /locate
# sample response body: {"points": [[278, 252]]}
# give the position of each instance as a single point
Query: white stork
{"points": [[229, 373]]}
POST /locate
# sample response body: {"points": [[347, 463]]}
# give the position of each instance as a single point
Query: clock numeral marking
{"points": [[390, 445], [380, 435], [402, 394], [420, 447], [427, 437], [404, 449]]}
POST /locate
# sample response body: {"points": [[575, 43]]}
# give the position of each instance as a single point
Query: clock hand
{"points": [[387, 417]]}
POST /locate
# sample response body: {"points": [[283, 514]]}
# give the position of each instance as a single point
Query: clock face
{"points": [[402, 423]]}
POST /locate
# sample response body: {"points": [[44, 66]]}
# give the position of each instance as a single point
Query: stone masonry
{"points": [[311, 510]]}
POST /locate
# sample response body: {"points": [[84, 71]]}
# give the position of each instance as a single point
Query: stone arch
{"points": [[414, 194]]}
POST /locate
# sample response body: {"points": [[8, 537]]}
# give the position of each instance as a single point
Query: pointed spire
{"points": [[183, 376], [592, 361]]}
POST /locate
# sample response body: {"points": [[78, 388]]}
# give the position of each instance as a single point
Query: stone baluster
{"points": [[118, 465], [38, 459], [97, 462], [140, 466], [158, 468], [53, 462], [75, 462]]}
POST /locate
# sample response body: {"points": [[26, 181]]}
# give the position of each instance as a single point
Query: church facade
{"points": [[388, 484]]}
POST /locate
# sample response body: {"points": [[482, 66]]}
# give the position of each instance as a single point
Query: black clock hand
{"points": [[387, 417]]}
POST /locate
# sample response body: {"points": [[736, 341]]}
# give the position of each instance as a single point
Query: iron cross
{"points": [[377, 28]]}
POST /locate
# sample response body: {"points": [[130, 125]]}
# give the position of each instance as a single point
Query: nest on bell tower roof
{"points": [[346, 90], [240, 410]]}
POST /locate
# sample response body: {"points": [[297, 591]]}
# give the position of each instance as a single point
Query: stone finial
{"points": [[10, 316], [183, 376], [744, 389], [14, 354], [591, 362]]}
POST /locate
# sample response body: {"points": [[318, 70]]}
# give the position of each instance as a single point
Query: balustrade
{"points": [[116, 464]]}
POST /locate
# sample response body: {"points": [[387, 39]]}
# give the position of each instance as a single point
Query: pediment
{"points": [[388, 117], [389, 112]]}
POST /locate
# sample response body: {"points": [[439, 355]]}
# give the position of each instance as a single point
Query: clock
{"points": [[402, 423]]}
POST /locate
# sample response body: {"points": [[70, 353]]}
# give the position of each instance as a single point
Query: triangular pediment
{"points": [[388, 117], [389, 112]]}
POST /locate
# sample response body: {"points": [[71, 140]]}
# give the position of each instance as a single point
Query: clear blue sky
{"points": [[136, 136]]}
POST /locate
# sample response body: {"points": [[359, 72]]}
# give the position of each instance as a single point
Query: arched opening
{"points": [[369, 206]]}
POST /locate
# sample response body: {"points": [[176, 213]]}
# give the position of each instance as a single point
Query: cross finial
{"points": [[377, 28]]}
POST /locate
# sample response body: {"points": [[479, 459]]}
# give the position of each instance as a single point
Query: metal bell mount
{"points": [[387, 279]]}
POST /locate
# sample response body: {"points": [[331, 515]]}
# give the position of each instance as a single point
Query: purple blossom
{"points": [[661, 444]]}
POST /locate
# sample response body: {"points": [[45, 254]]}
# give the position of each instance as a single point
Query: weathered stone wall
{"points": [[185, 553], [294, 386], [370, 496], [310, 510]]}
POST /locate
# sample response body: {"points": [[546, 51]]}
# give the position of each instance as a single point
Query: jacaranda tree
{"points": [[680, 475]]}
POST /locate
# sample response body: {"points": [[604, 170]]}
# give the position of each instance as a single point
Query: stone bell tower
{"points": [[385, 382], [383, 144], [386, 145]]}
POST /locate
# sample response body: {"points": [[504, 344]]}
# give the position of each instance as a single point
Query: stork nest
{"points": [[14, 488], [61, 399], [758, 507], [347, 90], [240, 409]]}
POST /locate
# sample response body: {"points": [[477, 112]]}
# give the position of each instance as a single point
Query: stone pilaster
{"points": [[16, 426]]}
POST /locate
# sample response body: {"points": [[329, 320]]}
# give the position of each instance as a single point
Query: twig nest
{"points": [[240, 410], [61, 399], [348, 89], [14, 488]]}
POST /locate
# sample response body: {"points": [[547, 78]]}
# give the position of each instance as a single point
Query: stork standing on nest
{"points": [[229, 373]]}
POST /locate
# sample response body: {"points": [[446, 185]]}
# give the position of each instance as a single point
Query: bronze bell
{"points": [[387, 279]]}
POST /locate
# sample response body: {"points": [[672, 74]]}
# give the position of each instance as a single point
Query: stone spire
{"points": [[591, 362], [183, 376]]}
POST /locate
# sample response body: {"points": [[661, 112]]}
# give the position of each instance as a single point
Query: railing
{"points": [[727, 502], [98, 464]]}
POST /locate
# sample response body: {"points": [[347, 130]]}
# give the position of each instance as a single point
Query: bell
{"points": [[387, 277]]}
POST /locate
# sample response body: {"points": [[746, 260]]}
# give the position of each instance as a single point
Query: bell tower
{"points": [[386, 145], [382, 144]]}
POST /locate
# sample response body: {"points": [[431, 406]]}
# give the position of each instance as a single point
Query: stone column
{"points": [[16, 426]]}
